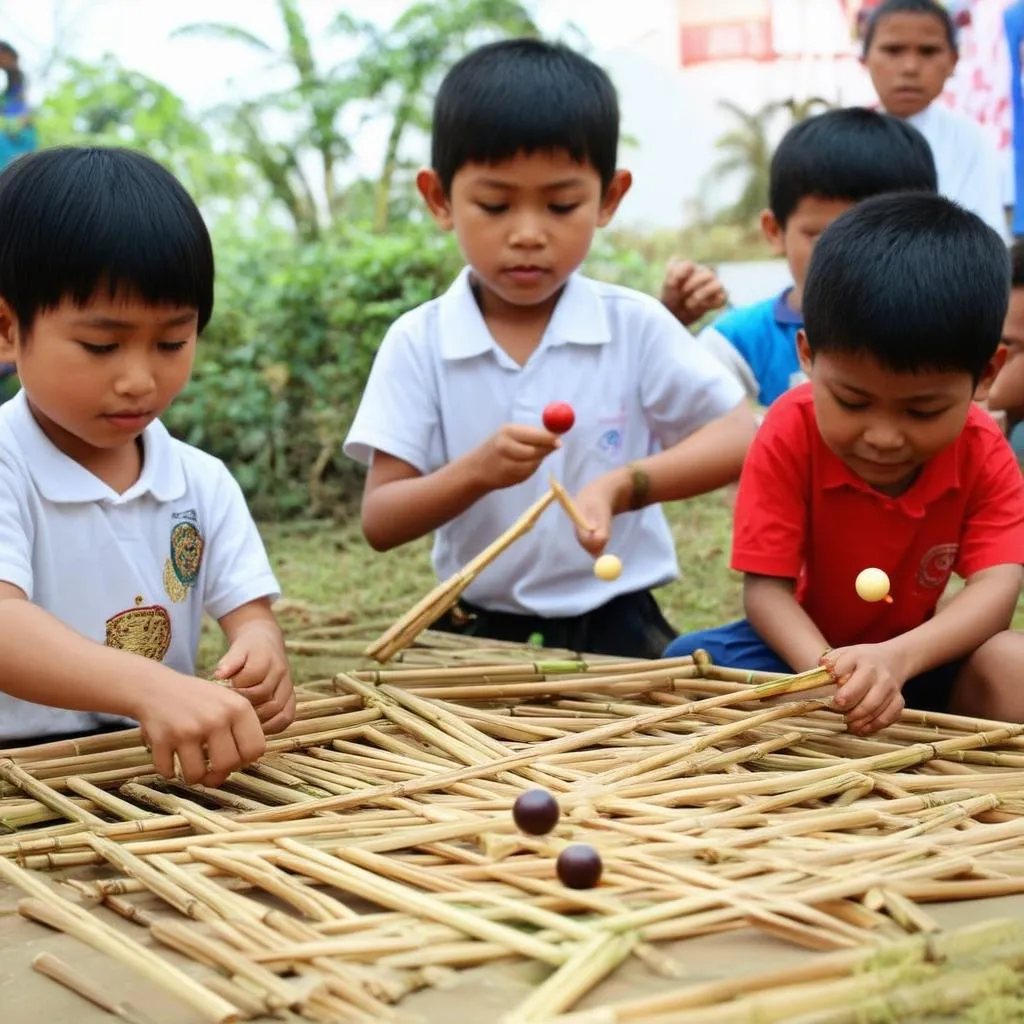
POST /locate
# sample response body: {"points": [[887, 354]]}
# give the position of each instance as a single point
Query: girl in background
{"points": [[17, 131]]}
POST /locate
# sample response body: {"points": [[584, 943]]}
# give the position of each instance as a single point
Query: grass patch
{"points": [[330, 567]]}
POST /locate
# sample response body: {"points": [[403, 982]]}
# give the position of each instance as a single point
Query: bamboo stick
{"points": [[442, 597]]}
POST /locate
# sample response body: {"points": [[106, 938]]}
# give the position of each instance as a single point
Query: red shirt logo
{"points": [[937, 565]]}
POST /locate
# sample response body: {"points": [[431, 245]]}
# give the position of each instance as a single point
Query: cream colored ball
{"points": [[608, 567], [872, 585]]}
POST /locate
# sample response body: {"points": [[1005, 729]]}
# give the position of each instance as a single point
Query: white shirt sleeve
{"points": [[683, 387], [729, 356], [236, 565], [978, 181], [17, 533], [986, 190], [399, 412]]}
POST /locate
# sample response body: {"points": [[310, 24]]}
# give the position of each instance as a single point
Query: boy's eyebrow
{"points": [[112, 323], [927, 396], [551, 187]]}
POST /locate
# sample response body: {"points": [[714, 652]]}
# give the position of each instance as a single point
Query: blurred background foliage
{"points": [[315, 261]]}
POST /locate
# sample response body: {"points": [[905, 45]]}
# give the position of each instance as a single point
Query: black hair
{"points": [[15, 76], [521, 96], [848, 154], [914, 280], [887, 7], [77, 219], [1017, 263]]}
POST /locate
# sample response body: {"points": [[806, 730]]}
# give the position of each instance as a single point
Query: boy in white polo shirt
{"points": [[114, 537], [525, 138], [910, 50]]}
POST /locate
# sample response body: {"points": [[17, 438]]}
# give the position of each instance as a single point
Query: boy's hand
{"points": [[513, 454], [213, 730], [691, 290], [258, 669], [870, 678], [597, 503]]}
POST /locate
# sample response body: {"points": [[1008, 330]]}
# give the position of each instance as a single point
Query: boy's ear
{"points": [[434, 195], [613, 195], [774, 232], [8, 333], [989, 374], [803, 351]]}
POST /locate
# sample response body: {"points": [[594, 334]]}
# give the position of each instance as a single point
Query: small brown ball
{"points": [[579, 867], [536, 812]]}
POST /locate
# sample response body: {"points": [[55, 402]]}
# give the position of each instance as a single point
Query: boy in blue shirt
{"points": [[822, 167]]}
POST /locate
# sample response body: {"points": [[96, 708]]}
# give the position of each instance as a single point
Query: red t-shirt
{"points": [[802, 514]]}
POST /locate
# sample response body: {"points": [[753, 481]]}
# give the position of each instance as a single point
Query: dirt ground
{"points": [[480, 996]]}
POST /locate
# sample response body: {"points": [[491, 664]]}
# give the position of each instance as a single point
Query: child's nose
{"points": [[883, 436], [135, 378], [528, 231]]}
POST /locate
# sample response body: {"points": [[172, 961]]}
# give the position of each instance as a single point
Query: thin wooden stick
{"points": [[444, 596], [571, 509], [64, 974]]}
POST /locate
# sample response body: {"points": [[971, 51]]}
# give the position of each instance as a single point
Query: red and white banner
{"points": [[718, 30]]}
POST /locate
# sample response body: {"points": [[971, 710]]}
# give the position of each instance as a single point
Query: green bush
{"points": [[283, 363], [282, 366]]}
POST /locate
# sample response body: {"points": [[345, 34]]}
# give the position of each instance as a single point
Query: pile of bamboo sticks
{"points": [[372, 851]]}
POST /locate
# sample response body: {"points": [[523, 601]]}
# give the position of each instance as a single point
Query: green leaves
{"points": [[280, 370]]}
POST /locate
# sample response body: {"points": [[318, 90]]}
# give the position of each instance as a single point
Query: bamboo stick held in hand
{"points": [[444, 596]]}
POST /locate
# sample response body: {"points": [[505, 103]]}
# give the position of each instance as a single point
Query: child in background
{"points": [[910, 51], [525, 140], [1006, 397], [691, 291], [17, 124], [822, 167], [114, 537], [885, 460]]}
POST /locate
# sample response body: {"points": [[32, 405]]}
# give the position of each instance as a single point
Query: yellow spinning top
{"points": [[873, 585], [608, 567]]}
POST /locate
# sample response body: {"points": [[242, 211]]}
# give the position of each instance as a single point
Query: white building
{"points": [[672, 110]]}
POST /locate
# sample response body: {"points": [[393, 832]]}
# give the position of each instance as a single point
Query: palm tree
{"points": [[747, 150], [402, 67], [396, 74], [315, 100]]}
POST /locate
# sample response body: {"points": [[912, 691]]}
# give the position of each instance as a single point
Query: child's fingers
{"points": [[192, 760], [709, 295], [262, 691], [525, 449], [593, 542], [163, 757], [274, 693], [887, 714], [231, 664], [679, 271], [283, 718], [250, 742], [221, 759], [852, 689]]}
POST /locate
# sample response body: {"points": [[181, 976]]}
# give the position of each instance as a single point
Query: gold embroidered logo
{"points": [[181, 570], [144, 629]]}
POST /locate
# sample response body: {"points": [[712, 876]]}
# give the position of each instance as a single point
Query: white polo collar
{"points": [[62, 480], [579, 318]]}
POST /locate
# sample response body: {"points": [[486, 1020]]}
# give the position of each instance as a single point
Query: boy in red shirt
{"points": [[883, 460]]}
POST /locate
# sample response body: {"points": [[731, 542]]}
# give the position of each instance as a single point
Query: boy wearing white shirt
{"points": [[525, 139], [114, 537], [910, 51]]}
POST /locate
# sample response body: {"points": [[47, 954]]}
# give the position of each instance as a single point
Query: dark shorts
{"points": [[628, 626], [738, 645]]}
